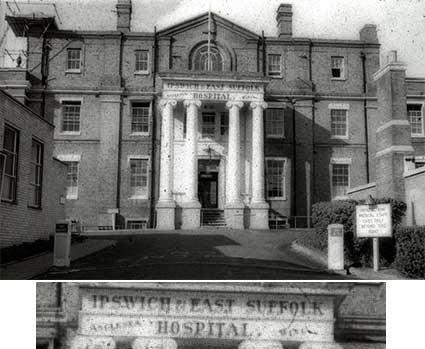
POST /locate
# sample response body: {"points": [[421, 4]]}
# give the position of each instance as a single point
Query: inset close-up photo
{"points": [[144, 315]]}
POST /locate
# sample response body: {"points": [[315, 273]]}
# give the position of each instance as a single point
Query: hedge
{"points": [[410, 251], [344, 212]]}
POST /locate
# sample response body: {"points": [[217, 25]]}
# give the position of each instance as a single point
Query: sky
{"points": [[401, 23]]}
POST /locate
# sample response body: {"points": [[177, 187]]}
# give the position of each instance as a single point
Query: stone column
{"points": [[259, 207], [234, 208], [191, 208], [253, 344], [320, 345], [166, 206], [83, 342], [157, 343]]}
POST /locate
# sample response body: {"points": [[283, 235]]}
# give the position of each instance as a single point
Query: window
{"points": [[72, 180], [337, 67], [414, 113], [274, 66], [224, 123], [139, 178], [275, 178], [74, 60], [340, 180], [339, 123], [275, 123], [36, 173], [71, 116], [208, 124], [10, 148], [202, 63], [140, 118], [142, 61]]}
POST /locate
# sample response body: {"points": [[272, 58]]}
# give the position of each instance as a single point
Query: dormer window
{"points": [[208, 59]]}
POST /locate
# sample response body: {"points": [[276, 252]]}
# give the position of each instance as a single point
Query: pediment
{"points": [[203, 19]]}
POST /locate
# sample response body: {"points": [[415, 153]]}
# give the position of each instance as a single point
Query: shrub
{"points": [[410, 251], [344, 212]]}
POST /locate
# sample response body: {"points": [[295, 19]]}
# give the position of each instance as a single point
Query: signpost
{"points": [[374, 221]]}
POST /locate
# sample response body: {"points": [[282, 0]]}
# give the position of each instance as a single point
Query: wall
{"points": [[18, 222]]}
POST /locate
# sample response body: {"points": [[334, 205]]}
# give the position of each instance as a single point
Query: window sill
{"points": [[70, 133], [338, 79], [72, 197], [141, 72], [139, 134], [38, 208], [336, 198], [11, 202], [275, 76], [282, 198], [137, 197], [417, 135], [73, 71]]}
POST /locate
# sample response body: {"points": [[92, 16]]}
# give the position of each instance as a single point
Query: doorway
{"points": [[208, 189]]}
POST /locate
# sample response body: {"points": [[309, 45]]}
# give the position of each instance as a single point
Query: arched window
{"points": [[200, 59]]}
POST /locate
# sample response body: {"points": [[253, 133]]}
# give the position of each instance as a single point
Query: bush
{"points": [[410, 251], [344, 212]]}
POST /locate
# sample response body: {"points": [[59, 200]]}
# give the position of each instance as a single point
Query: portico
{"points": [[189, 111]]}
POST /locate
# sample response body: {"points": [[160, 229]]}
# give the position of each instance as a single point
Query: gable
{"points": [[202, 20]]}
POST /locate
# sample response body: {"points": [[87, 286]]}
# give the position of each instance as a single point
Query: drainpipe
{"points": [[366, 130], [313, 120], [263, 39], [119, 152], [294, 160], [44, 75], [153, 130]]}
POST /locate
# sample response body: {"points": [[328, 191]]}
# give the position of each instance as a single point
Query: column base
{"points": [[259, 216], [233, 213], [165, 215], [252, 344], [191, 215], [320, 345]]}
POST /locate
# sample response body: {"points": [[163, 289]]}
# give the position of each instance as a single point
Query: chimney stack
{"points": [[369, 34], [123, 15], [284, 21]]}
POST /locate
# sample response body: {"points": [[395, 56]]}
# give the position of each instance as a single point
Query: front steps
{"points": [[212, 218]]}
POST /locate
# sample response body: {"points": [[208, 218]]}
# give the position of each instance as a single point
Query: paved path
{"points": [[37, 265], [205, 254]]}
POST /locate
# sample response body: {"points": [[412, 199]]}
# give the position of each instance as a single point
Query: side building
{"points": [[206, 122], [32, 181]]}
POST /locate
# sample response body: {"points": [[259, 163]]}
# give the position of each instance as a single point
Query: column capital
{"points": [[142, 343], [254, 105], [231, 104], [188, 102], [164, 102]]}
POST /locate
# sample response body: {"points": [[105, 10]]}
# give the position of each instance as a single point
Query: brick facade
{"points": [[18, 221], [107, 85]]}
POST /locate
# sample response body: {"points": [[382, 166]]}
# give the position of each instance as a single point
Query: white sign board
{"points": [[373, 221]]}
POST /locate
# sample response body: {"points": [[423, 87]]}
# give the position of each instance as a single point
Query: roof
{"points": [[8, 96]]}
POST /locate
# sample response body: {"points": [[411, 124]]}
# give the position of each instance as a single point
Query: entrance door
{"points": [[208, 189]]}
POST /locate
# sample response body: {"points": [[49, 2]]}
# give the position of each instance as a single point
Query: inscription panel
{"points": [[182, 314]]}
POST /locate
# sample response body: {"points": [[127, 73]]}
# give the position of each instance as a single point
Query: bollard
{"points": [[335, 247], [62, 245]]}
